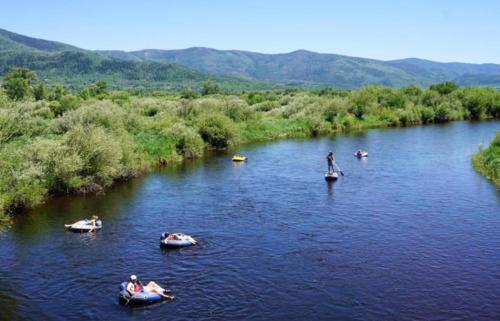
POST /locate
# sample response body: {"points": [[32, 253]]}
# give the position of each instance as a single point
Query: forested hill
{"points": [[74, 67], [310, 68]]}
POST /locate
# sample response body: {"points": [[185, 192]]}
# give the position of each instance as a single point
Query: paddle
{"points": [[341, 172]]}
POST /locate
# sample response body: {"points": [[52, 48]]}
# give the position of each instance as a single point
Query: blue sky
{"points": [[467, 31]]}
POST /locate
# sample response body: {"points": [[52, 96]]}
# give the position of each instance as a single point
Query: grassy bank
{"points": [[55, 142], [487, 161]]}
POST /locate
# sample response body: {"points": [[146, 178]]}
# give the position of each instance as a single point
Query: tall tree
{"points": [[210, 88], [17, 83]]}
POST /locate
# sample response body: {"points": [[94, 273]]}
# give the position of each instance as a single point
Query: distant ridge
{"points": [[306, 67], [233, 69], [74, 67]]}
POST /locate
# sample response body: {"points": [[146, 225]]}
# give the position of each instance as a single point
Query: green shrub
{"points": [[237, 110], [318, 126], [17, 83], [444, 88], [409, 116], [104, 156], [189, 143], [104, 114], [487, 161], [120, 97], [266, 106], [189, 94], [65, 103], [21, 182], [59, 164], [217, 130]]}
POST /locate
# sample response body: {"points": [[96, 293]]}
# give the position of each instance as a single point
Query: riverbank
{"points": [[487, 161], [63, 143]]}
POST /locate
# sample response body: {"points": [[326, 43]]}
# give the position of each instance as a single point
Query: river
{"points": [[410, 233]]}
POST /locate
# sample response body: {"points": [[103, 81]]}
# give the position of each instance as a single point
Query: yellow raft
{"points": [[239, 158]]}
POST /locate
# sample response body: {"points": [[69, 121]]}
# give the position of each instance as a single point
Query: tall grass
{"points": [[487, 161]]}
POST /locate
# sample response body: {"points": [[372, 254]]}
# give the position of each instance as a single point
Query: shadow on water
{"points": [[68, 209]]}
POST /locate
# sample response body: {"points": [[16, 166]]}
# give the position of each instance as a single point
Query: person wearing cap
{"points": [[330, 160], [134, 286]]}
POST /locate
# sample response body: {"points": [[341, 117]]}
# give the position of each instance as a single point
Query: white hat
{"points": [[133, 277]]}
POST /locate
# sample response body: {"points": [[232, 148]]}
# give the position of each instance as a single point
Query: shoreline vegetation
{"points": [[487, 161], [56, 142]]}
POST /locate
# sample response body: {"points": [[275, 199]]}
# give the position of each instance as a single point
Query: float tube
{"points": [[140, 298], [176, 240], [239, 158], [84, 226], [361, 153]]}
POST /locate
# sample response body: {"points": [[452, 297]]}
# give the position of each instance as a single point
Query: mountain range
{"points": [[232, 69]]}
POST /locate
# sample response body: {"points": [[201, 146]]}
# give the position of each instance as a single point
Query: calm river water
{"points": [[410, 233]]}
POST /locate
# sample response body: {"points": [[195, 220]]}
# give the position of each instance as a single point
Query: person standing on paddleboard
{"points": [[331, 160]]}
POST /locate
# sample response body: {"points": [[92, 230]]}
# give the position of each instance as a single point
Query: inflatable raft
{"points": [[84, 226], [176, 240], [361, 153], [239, 158], [331, 176], [140, 298]]}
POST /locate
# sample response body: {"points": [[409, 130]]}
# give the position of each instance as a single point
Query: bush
{"points": [[237, 110], [217, 130], [487, 161], [58, 163], [189, 143], [120, 97], [21, 184], [41, 91], [319, 126], [65, 103], [410, 116], [336, 107], [210, 88], [189, 94], [255, 98], [102, 114], [444, 88], [104, 156], [17, 83], [266, 106]]}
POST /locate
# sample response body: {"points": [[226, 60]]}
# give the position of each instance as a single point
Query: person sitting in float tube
{"points": [[134, 286]]}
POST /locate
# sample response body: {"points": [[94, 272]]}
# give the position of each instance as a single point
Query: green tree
{"points": [[58, 92], [101, 87], [210, 88], [41, 91], [189, 94], [444, 88], [17, 83]]}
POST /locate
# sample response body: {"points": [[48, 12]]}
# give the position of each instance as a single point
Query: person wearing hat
{"points": [[134, 286]]}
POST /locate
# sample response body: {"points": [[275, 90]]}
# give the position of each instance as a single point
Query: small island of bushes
{"points": [[487, 161]]}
